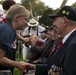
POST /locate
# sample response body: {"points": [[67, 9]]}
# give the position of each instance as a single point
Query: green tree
{"points": [[74, 5], [45, 19], [1, 2], [36, 7]]}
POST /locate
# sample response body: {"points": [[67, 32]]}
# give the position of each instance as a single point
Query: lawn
{"points": [[17, 71]]}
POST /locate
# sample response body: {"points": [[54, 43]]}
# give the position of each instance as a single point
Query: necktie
{"points": [[60, 44], [54, 48], [57, 46]]}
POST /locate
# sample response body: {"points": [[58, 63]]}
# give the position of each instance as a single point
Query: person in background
{"points": [[6, 5], [38, 43], [44, 35], [1, 14], [47, 48], [32, 28], [16, 19], [47, 27], [47, 44]]}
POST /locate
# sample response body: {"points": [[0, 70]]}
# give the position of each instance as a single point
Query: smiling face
{"points": [[60, 25], [55, 36], [18, 15], [21, 23]]}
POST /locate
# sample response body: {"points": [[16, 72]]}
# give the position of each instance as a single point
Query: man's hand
{"points": [[29, 66], [33, 40]]}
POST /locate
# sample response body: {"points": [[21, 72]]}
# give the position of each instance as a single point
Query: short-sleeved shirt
{"points": [[33, 31], [7, 36]]}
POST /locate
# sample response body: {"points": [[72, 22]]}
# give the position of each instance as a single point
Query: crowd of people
{"points": [[48, 50]]}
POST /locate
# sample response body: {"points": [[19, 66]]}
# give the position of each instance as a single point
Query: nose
{"points": [[53, 24], [26, 22]]}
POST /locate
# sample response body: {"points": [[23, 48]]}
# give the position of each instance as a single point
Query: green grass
{"points": [[17, 71]]}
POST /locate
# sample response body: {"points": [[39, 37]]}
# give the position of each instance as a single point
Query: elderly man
{"points": [[65, 22], [65, 57]]}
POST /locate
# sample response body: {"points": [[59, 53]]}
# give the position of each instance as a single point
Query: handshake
{"points": [[30, 40], [27, 67]]}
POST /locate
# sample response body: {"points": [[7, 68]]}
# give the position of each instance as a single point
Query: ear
{"points": [[15, 18], [66, 21]]}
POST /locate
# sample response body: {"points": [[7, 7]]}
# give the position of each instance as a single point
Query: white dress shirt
{"points": [[67, 36]]}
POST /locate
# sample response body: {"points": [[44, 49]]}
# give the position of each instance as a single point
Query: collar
{"points": [[66, 37]]}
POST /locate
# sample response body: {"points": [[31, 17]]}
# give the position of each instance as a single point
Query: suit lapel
{"points": [[60, 51]]}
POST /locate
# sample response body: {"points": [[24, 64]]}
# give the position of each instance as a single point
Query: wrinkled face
{"points": [[49, 32], [21, 22], [43, 35], [54, 35], [59, 23]]}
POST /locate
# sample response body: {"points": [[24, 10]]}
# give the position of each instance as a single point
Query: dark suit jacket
{"points": [[64, 57], [43, 51], [46, 46]]}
